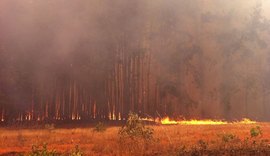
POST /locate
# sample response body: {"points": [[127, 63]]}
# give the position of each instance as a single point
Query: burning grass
{"points": [[168, 121], [180, 139]]}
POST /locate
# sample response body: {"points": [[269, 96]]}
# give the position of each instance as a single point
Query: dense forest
{"points": [[92, 59]]}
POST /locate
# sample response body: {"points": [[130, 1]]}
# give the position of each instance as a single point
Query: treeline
{"points": [[100, 60]]}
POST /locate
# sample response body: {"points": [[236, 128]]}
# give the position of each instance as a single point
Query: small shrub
{"points": [[43, 151], [100, 127], [134, 128], [135, 138], [255, 131], [227, 137], [246, 141], [76, 152]]}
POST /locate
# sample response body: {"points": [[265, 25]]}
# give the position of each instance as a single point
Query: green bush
{"points": [[134, 128], [255, 131], [135, 138], [43, 151]]}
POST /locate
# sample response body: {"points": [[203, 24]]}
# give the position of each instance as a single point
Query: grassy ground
{"points": [[233, 139]]}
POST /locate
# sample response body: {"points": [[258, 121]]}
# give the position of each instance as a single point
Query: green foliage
{"points": [[100, 127], [135, 128], [135, 137], [255, 131], [43, 151], [76, 152]]}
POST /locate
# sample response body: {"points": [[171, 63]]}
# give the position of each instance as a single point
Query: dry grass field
{"points": [[231, 139]]}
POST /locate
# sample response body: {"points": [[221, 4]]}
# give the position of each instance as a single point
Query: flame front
{"points": [[247, 121], [168, 121]]}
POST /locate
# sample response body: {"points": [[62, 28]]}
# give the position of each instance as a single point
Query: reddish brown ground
{"points": [[168, 140]]}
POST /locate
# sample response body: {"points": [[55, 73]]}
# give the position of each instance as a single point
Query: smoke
{"points": [[206, 59]]}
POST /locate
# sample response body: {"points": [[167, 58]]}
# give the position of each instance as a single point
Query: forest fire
{"points": [[168, 121], [174, 77]]}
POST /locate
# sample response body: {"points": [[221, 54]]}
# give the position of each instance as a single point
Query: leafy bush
{"points": [[43, 151], [135, 128], [255, 131], [135, 138], [100, 127]]}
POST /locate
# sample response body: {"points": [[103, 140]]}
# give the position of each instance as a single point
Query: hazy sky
{"points": [[201, 54]]}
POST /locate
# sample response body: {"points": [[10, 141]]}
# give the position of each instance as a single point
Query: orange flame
{"points": [[247, 121], [168, 121]]}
